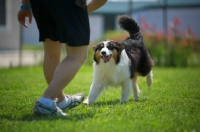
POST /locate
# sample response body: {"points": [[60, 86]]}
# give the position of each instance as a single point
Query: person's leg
{"points": [[66, 71], [52, 52], [63, 74]]}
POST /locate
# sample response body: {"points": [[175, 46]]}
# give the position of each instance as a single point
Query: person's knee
{"points": [[78, 54], [52, 50], [52, 57], [80, 58]]}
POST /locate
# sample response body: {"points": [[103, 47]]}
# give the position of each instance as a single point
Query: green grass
{"points": [[172, 104], [32, 47]]}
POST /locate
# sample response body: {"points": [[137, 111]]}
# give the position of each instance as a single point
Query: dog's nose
{"points": [[103, 52]]}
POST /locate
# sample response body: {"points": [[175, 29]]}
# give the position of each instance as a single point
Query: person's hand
{"points": [[22, 14]]}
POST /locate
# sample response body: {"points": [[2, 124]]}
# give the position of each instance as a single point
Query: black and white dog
{"points": [[120, 63]]}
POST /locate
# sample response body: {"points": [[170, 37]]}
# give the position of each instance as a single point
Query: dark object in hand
{"points": [[81, 3]]}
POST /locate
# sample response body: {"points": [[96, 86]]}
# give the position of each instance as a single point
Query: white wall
{"points": [[96, 27], [30, 34], [10, 33]]}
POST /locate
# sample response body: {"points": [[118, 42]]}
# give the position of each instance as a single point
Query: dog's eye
{"points": [[100, 46], [110, 47]]}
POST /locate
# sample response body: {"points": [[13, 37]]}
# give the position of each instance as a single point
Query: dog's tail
{"points": [[128, 24]]}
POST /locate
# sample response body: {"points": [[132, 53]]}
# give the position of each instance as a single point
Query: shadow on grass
{"points": [[115, 102], [88, 112], [32, 117], [103, 103]]}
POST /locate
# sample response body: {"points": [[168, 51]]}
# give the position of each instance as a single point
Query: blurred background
{"points": [[170, 27]]}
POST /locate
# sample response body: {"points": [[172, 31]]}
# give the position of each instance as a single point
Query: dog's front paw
{"points": [[86, 102], [137, 97], [123, 101]]}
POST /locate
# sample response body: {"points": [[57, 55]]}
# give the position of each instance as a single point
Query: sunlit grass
{"points": [[171, 104]]}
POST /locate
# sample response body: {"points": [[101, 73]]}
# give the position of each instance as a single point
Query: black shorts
{"points": [[61, 20]]}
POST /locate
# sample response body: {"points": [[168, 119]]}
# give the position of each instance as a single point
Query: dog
{"points": [[120, 63]]}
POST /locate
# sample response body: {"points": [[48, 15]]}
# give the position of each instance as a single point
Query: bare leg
{"points": [[66, 71], [52, 53]]}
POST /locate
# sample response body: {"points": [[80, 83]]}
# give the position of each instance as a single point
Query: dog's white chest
{"points": [[111, 73]]}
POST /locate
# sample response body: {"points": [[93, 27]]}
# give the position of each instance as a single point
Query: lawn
{"points": [[172, 104]]}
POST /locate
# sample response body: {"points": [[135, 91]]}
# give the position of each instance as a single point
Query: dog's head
{"points": [[107, 50]]}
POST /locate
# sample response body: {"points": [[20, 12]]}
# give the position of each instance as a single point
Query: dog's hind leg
{"points": [[136, 90], [95, 90], [126, 87], [149, 78]]}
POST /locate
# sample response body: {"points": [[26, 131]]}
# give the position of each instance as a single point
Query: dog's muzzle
{"points": [[106, 58]]}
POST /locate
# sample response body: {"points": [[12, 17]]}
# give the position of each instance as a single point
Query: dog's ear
{"points": [[94, 48], [98, 46], [121, 45]]}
